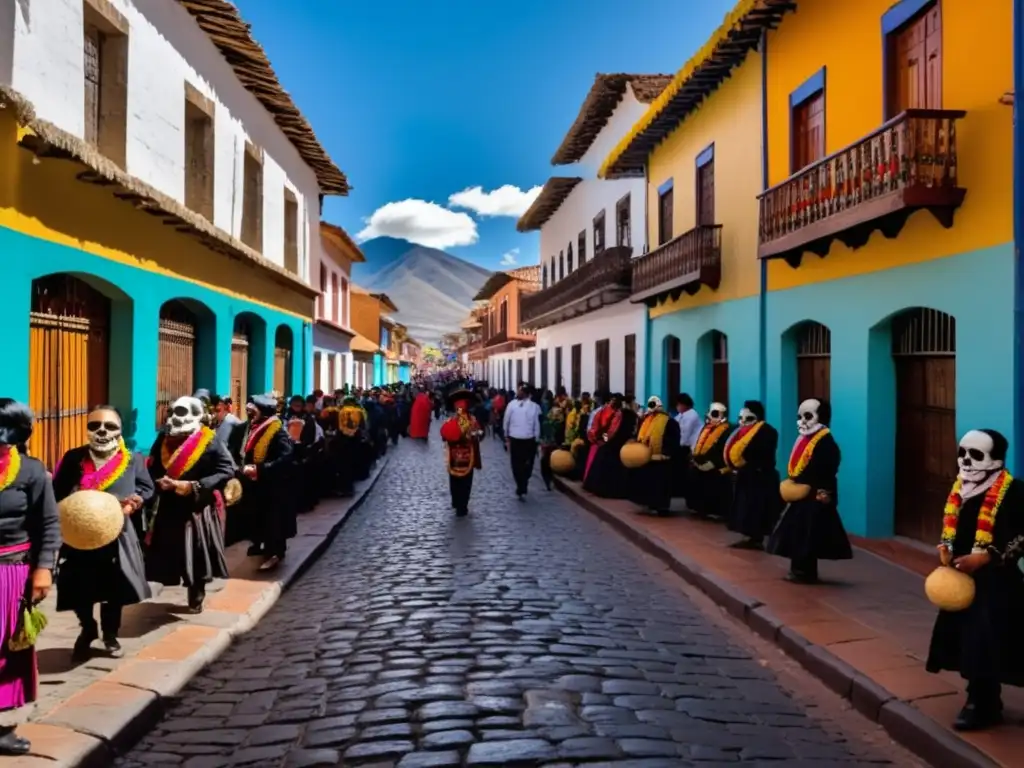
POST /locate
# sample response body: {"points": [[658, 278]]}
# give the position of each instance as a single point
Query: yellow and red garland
{"points": [[709, 437], [10, 465], [986, 516], [738, 442], [797, 464]]}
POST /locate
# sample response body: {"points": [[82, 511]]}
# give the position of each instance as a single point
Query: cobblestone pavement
{"points": [[524, 634]]}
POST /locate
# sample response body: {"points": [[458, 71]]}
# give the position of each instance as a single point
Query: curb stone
{"points": [[96, 724], [905, 724]]}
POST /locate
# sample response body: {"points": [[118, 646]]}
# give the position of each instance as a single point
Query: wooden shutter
{"points": [[334, 297], [674, 374], [519, 372], [317, 373], [240, 368], [558, 367], [665, 217], [601, 354], [630, 385], [706, 193], [175, 357], [323, 292], [577, 369], [544, 369], [933, 58], [808, 132], [720, 368]]}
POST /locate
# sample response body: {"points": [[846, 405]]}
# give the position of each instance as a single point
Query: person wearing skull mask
{"points": [[115, 575], [190, 466], [267, 459], [750, 454], [810, 528], [982, 532], [708, 488], [607, 476], [651, 485]]}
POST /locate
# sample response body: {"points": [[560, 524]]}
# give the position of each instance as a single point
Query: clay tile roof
{"points": [[550, 199], [529, 274], [604, 96], [223, 24]]}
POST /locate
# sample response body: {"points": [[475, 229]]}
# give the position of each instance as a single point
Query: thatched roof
{"points": [[47, 140], [550, 199], [340, 239], [707, 69], [604, 96], [223, 24]]}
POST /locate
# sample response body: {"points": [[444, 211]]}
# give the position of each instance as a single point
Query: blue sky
{"points": [[418, 100]]}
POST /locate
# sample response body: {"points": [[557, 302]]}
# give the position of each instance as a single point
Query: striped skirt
{"points": [[19, 675]]}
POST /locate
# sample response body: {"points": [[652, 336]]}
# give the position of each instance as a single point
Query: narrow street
{"points": [[525, 634]]}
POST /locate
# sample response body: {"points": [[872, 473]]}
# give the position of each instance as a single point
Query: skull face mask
{"points": [[747, 417], [809, 417], [976, 458], [186, 416], [104, 432], [717, 414]]}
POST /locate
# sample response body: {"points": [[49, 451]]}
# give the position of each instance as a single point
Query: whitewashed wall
{"points": [[166, 49]]}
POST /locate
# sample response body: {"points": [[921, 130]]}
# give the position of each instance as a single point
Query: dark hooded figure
{"points": [[750, 454], [810, 528], [983, 536]]}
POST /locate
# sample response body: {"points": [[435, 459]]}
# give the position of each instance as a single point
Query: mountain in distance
{"points": [[432, 289]]}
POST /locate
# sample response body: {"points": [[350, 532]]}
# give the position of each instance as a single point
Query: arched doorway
{"points": [[813, 362], [720, 367], [673, 368], [283, 360], [69, 362], [241, 340], [924, 358], [176, 356]]}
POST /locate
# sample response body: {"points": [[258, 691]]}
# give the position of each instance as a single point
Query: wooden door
{"points": [[673, 368], [558, 367], [916, 71], [69, 362], [706, 193], [317, 373], [532, 368], [283, 361], [577, 369], [544, 369], [240, 371], [665, 202], [813, 363], [629, 388], [924, 353], [602, 362], [332, 373], [808, 132], [176, 357], [519, 373], [720, 369]]}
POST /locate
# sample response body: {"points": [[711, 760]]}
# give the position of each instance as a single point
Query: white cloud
{"points": [[510, 259], [423, 222], [507, 200]]}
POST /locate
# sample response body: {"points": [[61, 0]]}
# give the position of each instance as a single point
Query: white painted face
{"points": [[654, 403], [717, 414], [186, 416], [747, 417], [808, 420], [975, 457], [104, 432]]}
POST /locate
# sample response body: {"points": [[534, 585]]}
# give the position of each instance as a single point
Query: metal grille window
{"points": [[175, 357], [924, 332]]}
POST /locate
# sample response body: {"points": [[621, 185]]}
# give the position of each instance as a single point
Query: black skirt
{"points": [[709, 493], [756, 502], [186, 548], [651, 485], [113, 574], [810, 529]]}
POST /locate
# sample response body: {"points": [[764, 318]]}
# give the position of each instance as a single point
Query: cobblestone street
{"points": [[525, 634]]}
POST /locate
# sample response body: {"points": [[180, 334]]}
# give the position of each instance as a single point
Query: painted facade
{"points": [[373, 337], [505, 343], [131, 276], [332, 329], [881, 234]]}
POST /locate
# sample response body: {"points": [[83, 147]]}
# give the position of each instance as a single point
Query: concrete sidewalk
{"points": [[87, 712], [864, 632]]}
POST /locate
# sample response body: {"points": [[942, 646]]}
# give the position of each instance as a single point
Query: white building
{"points": [[589, 337], [332, 331]]}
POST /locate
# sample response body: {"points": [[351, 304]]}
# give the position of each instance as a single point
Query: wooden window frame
{"points": [[808, 90], [705, 157], [561, 265], [576, 369], [113, 29], [321, 301], [568, 260], [199, 188], [622, 211], [664, 191], [599, 228], [343, 303], [629, 359], [894, 21], [603, 373], [291, 245], [544, 276], [252, 230], [335, 288]]}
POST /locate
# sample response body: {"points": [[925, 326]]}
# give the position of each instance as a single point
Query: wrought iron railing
{"points": [[682, 259], [609, 269], [916, 150]]}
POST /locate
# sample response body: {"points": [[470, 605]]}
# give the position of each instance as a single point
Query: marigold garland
{"points": [[986, 516], [797, 464], [738, 442], [106, 476], [259, 453], [652, 434], [350, 418], [708, 437], [187, 454], [10, 465]]}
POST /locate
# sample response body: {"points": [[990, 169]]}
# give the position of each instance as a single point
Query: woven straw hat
{"points": [[90, 519]]}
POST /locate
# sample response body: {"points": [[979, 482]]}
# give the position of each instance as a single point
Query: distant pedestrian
{"points": [[522, 431]]}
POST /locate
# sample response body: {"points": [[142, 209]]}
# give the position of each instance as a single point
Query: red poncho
{"points": [[419, 417]]}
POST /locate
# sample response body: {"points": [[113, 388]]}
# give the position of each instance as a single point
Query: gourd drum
{"points": [[949, 589], [562, 462], [634, 455], [232, 491], [90, 519], [791, 491]]}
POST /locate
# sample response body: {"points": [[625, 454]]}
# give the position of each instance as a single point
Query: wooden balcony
{"points": [[908, 164], [684, 263], [602, 281]]}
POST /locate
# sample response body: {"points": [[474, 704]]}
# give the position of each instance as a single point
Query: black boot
{"points": [[984, 707], [82, 650], [13, 745], [113, 647]]}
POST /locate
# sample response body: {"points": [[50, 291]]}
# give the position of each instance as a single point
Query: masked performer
{"points": [[598, 426], [266, 466], [461, 435], [810, 528], [750, 454], [305, 435], [983, 536], [29, 540], [651, 485], [115, 575], [709, 489], [190, 467], [607, 476]]}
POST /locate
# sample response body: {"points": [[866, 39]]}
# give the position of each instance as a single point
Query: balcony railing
{"points": [[908, 164], [603, 280], [684, 263]]}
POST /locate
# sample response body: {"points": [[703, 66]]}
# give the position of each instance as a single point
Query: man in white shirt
{"points": [[522, 431], [689, 420]]}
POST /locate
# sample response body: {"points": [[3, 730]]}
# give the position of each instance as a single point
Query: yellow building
{"points": [[872, 231]]}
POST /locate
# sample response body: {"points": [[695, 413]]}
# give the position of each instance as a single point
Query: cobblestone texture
{"points": [[524, 634]]}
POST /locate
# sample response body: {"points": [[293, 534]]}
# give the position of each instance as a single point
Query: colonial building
{"points": [[372, 326], [505, 344], [410, 359], [588, 336], [332, 331], [159, 213], [865, 256]]}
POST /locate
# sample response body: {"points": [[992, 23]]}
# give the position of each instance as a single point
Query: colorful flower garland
{"points": [[10, 465], [187, 454], [106, 476], [797, 464], [986, 516], [259, 453], [652, 432], [738, 442], [708, 437]]}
